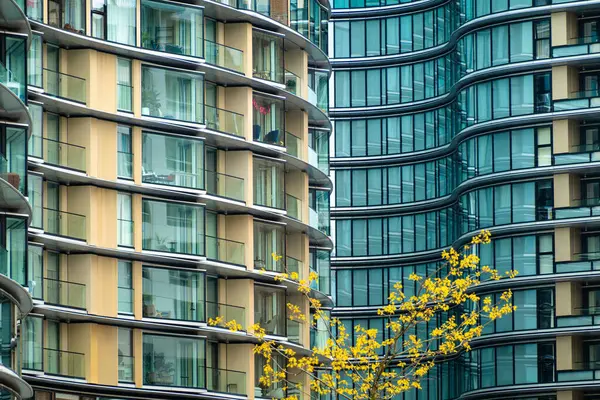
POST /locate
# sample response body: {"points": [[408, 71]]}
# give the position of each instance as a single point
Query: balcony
{"points": [[583, 153], [577, 46], [318, 149], [580, 208], [173, 294], [63, 223], [13, 165], [587, 317], [64, 363], [267, 55], [268, 120], [581, 262], [172, 28], [227, 311], [292, 83], [320, 264], [64, 86], [582, 371], [64, 155], [13, 258], [172, 227], [225, 250], [14, 82], [293, 207], [172, 95], [173, 361], [223, 185], [226, 381], [293, 265], [270, 309], [578, 100], [269, 183], [224, 56], [295, 331], [225, 121], [63, 293]]}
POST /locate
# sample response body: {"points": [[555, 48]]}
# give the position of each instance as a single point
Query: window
{"points": [[267, 56], [172, 160], [125, 287], [173, 361], [269, 183], [124, 220], [173, 294], [124, 88], [269, 247], [172, 28], [114, 20], [172, 94], [172, 227], [34, 59], [124, 155], [67, 14], [126, 363], [268, 120], [270, 309]]}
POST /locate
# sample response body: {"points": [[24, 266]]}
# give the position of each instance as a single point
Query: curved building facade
{"points": [[454, 116], [15, 211], [178, 161]]}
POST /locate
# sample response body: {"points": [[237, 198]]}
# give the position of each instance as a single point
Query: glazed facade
{"points": [[456, 116], [177, 160]]}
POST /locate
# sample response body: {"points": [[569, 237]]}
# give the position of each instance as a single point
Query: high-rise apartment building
{"points": [[162, 161], [454, 116]]}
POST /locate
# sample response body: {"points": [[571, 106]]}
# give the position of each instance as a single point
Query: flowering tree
{"points": [[369, 367]]}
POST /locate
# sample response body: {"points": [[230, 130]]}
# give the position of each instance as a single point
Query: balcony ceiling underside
{"points": [[12, 108], [14, 19], [12, 200], [13, 382]]}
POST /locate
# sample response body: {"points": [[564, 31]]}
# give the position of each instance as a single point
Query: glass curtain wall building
{"points": [[454, 116], [157, 154]]}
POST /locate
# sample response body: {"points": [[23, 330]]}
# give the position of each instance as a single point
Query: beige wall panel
{"points": [[106, 348], [565, 81], [79, 268], [296, 122], [239, 100], [565, 135], [239, 293], [296, 61], [80, 340], [241, 229], [239, 164], [569, 296], [104, 150], [569, 395], [104, 88], [564, 27], [241, 358], [138, 357], [566, 188], [78, 63], [239, 36], [566, 243]]}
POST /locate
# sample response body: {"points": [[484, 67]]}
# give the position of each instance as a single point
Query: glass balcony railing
{"points": [[64, 363], [12, 261], [293, 144], [589, 316], [125, 232], [578, 46], [225, 250], [584, 153], [169, 306], [294, 265], [175, 178], [13, 173], [63, 223], [318, 338], [224, 56], [64, 154], [225, 121], [65, 86], [63, 293], [578, 209], [225, 381], [8, 79], [313, 218], [293, 206], [582, 371], [227, 311], [581, 262], [224, 185], [126, 368], [125, 300], [294, 331], [292, 82], [124, 165]]}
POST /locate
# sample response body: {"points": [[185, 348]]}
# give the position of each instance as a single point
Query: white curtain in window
{"points": [[121, 21]]}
